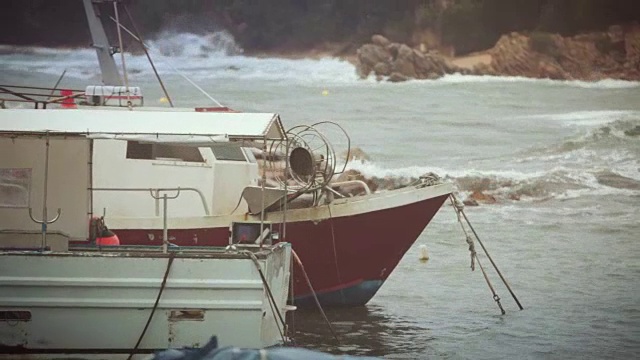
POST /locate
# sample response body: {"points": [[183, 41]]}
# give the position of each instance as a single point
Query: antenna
{"points": [[110, 75]]}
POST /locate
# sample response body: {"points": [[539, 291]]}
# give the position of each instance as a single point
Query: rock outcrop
{"points": [[399, 62], [594, 56]]}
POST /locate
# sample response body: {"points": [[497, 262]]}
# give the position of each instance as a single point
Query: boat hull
{"points": [[72, 304], [348, 248]]}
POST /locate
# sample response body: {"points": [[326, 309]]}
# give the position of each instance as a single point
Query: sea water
{"points": [[561, 158]]}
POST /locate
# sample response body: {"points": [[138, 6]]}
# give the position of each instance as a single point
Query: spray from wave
{"points": [[598, 161], [216, 55]]}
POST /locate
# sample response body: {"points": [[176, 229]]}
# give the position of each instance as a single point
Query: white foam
{"points": [[602, 84], [586, 118], [217, 56], [371, 169], [211, 56]]}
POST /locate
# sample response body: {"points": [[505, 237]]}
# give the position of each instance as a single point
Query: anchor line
{"points": [[315, 296], [459, 209], [155, 306], [273, 305]]}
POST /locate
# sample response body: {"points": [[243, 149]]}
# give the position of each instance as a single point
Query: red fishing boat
{"points": [[258, 184]]}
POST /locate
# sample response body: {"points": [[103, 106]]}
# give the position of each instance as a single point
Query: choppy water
{"points": [[566, 150]]}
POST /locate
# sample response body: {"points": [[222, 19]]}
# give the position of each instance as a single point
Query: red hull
{"points": [[347, 258]]}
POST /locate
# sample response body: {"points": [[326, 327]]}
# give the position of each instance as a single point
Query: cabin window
{"points": [[230, 153], [15, 315], [145, 151], [15, 187]]}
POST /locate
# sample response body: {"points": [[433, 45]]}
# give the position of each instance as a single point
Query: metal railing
{"points": [[155, 193]]}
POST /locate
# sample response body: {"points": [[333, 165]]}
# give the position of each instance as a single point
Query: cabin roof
{"points": [[122, 123]]}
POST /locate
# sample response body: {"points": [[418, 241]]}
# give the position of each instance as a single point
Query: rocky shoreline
{"points": [[614, 54]]}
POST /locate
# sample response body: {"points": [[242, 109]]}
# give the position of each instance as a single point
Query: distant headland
{"points": [[570, 39]]}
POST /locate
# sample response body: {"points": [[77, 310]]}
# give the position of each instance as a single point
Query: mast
{"points": [[110, 75]]}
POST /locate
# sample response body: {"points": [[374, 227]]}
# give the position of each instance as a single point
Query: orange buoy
{"points": [[108, 238]]}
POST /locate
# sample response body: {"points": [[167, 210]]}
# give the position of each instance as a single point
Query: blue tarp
{"points": [[211, 352]]}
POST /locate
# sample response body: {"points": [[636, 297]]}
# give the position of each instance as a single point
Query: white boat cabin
{"points": [[114, 162]]}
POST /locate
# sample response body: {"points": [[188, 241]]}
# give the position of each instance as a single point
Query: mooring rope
{"points": [[459, 208], [335, 252], [272, 302], [155, 306], [315, 297]]}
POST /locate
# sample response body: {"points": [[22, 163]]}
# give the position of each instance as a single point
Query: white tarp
{"points": [[194, 140], [185, 124]]}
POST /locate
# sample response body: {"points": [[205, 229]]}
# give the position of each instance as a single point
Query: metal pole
{"points": [[124, 64], [165, 231], [108, 66], [56, 85], [264, 180], [44, 201], [506, 284], [286, 190]]}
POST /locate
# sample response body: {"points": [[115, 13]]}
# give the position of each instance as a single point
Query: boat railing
{"points": [[364, 185], [39, 96], [155, 193]]}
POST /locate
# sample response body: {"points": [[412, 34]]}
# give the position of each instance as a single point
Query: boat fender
{"points": [[424, 254], [108, 238], [100, 235]]}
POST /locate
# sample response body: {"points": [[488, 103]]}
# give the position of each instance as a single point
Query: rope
{"points": [[315, 297], [292, 299], [170, 64], [124, 64], [459, 207], [335, 252], [144, 48], [270, 298], [155, 306]]}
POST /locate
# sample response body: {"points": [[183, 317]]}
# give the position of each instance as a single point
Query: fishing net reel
{"points": [[310, 162]]}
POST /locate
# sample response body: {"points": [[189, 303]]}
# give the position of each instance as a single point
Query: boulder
{"points": [[382, 69], [368, 56], [397, 77], [470, 202], [481, 197], [380, 41], [590, 56]]}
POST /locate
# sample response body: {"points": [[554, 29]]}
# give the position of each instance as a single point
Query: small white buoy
{"points": [[424, 254]]}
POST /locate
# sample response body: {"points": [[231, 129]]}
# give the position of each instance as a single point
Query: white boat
{"points": [[96, 300], [330, 219]]}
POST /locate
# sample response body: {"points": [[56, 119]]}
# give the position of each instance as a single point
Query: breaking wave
{"points": [[216, 55], [558, 183], [602, 84], [203, 57], [598, 161]]}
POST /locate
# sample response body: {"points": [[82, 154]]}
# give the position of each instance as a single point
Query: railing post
{"points": [[165, 230]]}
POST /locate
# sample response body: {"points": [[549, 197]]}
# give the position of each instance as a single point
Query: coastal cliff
{"points": [[592, 56], [568, 39]]}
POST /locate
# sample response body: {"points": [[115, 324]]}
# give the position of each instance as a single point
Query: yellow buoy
{"points": [[163, 100], [325, 92], [424, 254]]}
